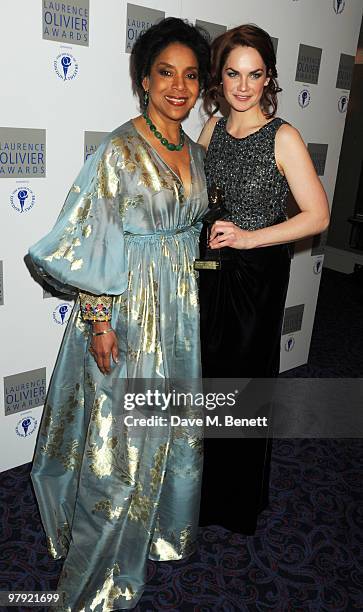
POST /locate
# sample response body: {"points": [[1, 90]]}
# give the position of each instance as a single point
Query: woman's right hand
{"points": [[103, 346]]}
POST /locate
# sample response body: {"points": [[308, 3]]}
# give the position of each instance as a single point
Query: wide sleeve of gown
{"points": [[85, 249]]}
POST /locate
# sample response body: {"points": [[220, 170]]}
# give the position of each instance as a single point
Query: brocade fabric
{"points": [[109, 498], [95, 308]]}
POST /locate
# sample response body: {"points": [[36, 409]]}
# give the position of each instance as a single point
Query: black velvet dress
{"points": [[241, 317]]}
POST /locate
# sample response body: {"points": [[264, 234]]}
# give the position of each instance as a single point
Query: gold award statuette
{"points": [[212, 259]]}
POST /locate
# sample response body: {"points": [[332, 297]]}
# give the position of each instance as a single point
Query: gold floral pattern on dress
{"points": [[129, 462], [65, 250], [127, 202], [107, 179], [102, 457], [82, 212], [104, 506], [134, 156], [109, 592], [145, 310], [51, 549], [77, 264], [172, 547], [141, 504], [125, 160], [63, 537], [86, 231], [53, 430]]}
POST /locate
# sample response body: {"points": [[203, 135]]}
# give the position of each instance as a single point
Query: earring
{"points": [[146, 98]]}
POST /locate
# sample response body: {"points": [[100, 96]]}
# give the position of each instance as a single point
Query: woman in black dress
{"points": [[255, 158]]}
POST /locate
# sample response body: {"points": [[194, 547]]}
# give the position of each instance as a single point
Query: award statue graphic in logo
{"points": [[304, 98], [343, 104], [66, 66], [318, 266], [289, 344], [61, 313], [22, 199], [339, 6], [26, 426]]}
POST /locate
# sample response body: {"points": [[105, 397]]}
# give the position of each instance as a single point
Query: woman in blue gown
{"points": [[125, 241]]}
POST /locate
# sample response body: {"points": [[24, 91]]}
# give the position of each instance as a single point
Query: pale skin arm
{"points": [[294, 162]]}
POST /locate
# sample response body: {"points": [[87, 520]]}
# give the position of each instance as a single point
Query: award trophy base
{"points": [[209, 264], [214, 259]]}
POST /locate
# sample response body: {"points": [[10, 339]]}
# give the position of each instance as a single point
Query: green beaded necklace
{"points": [[169, 145]]}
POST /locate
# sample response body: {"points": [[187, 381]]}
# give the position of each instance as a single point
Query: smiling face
{"points": [[243, 78], [173, 83]]}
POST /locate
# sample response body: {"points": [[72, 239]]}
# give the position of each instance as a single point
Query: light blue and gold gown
{"points": [[109, 501]]}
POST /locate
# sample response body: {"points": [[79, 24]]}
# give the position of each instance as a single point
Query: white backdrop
{"points": [[96, 96]]}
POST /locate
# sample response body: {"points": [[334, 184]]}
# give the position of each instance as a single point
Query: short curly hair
{"points": [[156, 39]]}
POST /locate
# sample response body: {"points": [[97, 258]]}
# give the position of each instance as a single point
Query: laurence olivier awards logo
{"points": [[304, 98], [308, 64], [61, 313], [289, 344], [66, 22], [293, 319], [345, 71], [139, 19], [318, 153], [213, 29], [92, 141], [22, 199], [24, 391], [66, 66], [343, 104], [26, 426], [22, 153], [339, 6]]}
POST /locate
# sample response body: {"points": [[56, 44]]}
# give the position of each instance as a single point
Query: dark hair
{"points": [[156, 39], [247, 35]]}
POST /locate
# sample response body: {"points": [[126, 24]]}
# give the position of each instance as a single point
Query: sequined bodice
{"points": [[255, 191]]}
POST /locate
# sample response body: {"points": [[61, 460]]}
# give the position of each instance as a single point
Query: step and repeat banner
{"points": [[65, 84]]}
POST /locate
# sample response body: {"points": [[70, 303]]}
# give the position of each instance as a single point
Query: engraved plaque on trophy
{"points": [[212, 259]]}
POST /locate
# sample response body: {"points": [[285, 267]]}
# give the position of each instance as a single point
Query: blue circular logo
{"points": [[61, 313], [289, 344], [304, 98], [66, 66], [343, 104], [22, 199], [26, 426], [339, 6]]}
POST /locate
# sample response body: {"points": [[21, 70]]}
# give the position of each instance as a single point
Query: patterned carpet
{"points": [[307, 554]]}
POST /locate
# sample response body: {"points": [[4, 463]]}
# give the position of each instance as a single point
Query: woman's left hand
{"points": [[227, 234]]}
